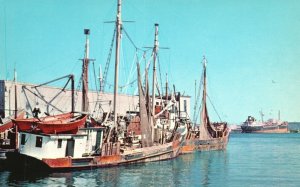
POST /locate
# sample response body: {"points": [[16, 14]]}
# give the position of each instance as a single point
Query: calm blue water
{"points": [[250, 160]]}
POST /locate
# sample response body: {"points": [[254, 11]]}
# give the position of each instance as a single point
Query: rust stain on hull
{"points": [[58, 162], [107, 159], [187, 149]]}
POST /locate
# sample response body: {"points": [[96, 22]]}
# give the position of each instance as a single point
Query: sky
{"points": [[252, 47]]}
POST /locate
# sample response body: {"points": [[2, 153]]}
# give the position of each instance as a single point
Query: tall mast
{"points": [[195, 94], [16, 109], [155, 50], [100, 79], [206, 131], [85, 68], [16, 98], [167, 94], [195, 103], [117, 58], [154, 78], [204, 81]]}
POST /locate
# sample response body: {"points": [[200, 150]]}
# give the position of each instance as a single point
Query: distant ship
{"points": [[251, 125]]}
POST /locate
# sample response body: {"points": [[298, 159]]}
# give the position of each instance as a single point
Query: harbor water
{"points": [[250, 160]]}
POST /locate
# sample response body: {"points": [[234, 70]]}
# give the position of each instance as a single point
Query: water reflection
{"points": [[200, 168], [249, 160]]}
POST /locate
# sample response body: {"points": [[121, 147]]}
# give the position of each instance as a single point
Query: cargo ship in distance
{"points": [[251, 125]]}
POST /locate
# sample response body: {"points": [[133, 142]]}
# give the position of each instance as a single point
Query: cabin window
{"points": [[59, 143], [23, 137], [184, 105], [39, 141]]}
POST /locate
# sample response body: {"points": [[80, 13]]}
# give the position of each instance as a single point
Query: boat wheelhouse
{"points": [[41, 145]]}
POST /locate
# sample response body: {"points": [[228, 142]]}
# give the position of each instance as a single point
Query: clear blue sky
{"points": [[252, 46]]}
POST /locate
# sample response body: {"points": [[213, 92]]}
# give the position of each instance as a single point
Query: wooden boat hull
{"points": [[17, 161], [28, 124], [191, 145]]}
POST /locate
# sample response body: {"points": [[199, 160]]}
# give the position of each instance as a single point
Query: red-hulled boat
{"points": [[28, 124], [62, 125]]}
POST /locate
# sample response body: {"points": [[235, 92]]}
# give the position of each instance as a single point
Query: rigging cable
{"points": [[95, 77], [108, 59], [77, 90], [147, 66], [129, 38], [132, 71], [214, 108], [196, 112], [98, 92], [161, 86]]}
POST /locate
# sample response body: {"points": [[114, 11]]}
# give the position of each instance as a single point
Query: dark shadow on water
{"points": [[26, 176]]}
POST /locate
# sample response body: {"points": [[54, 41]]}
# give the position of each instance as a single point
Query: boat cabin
{"points": [[86, 142]]}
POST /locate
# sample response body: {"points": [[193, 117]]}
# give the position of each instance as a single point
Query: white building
{"points": [[62, 103]]}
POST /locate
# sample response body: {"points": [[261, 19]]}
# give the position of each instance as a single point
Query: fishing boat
{"points": [[91, 148], [210, 135], [54, 152], [98, 146], [251, 125]]}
